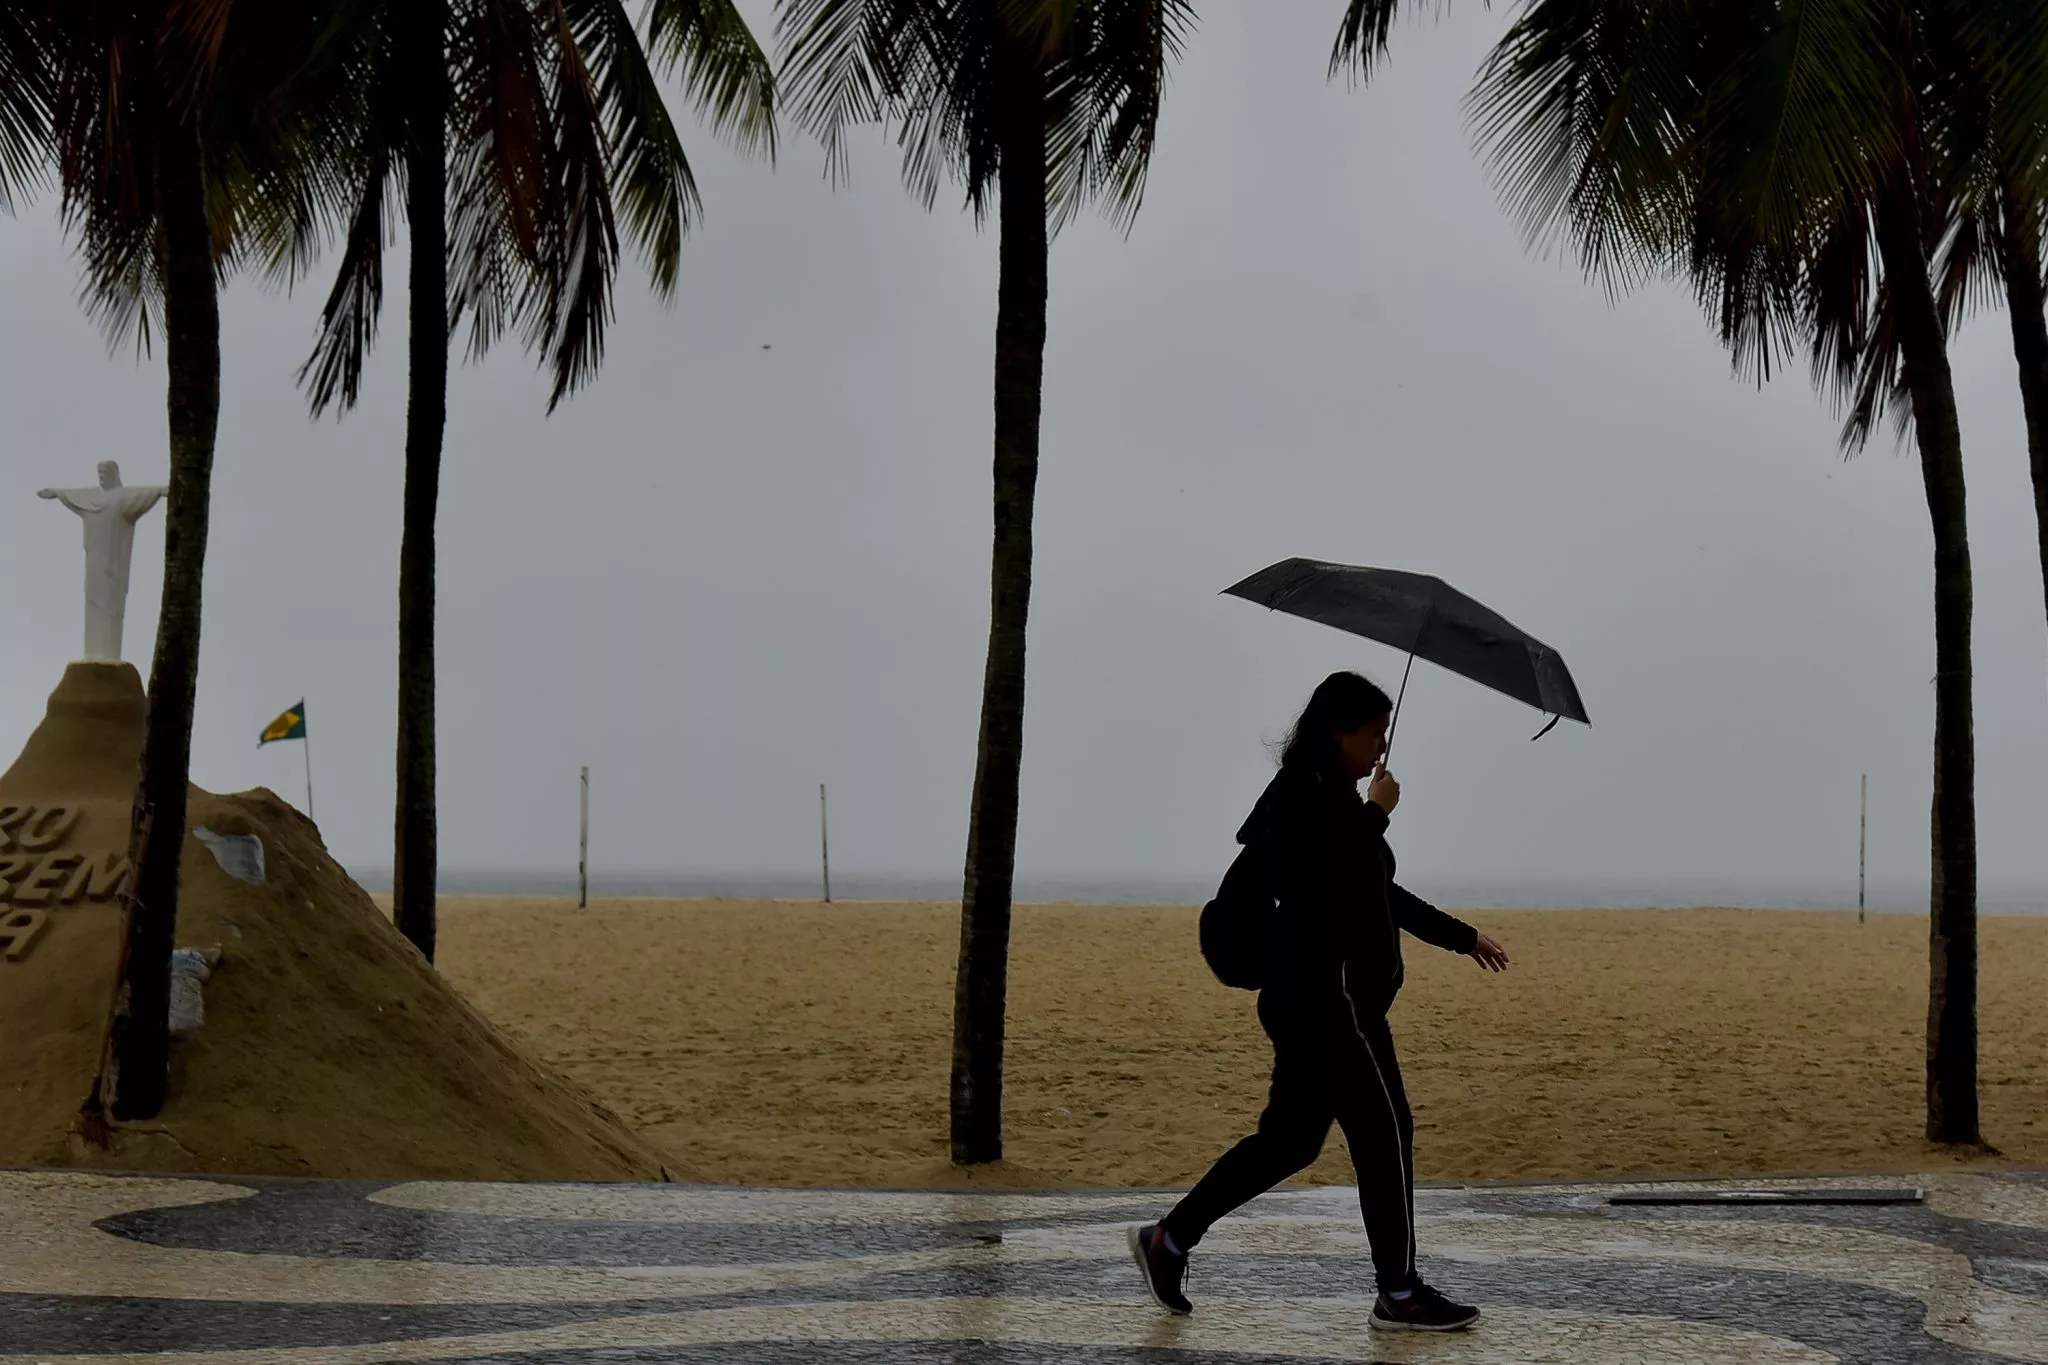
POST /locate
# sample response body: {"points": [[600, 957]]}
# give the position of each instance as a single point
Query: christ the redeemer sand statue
{"points": [[109, 513]]}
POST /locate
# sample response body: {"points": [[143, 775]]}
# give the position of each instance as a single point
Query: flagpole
{"points": [[1862, 848], [824, 844], [306, 741]]}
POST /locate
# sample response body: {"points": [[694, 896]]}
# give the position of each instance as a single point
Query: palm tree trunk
{"points": [[2019, 250], [1952, 929], [416, 852], [137, 1071], [981, 984]]}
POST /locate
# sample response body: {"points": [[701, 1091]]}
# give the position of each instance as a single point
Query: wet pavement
{"points": [[248, 1272]]}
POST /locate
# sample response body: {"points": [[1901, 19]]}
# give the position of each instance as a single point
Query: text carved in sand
{"points": [[35, 872]]}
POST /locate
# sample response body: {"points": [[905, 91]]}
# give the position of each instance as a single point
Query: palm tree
{"points": [[178, 150], [2016, 259], [1991, 201], [1043, 105], [1992, 146], [1783, 156], [1982, 119], [519, 129], [2016, 232]]}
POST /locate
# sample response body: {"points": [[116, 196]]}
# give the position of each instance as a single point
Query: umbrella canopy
{"points": [[1426, 618]]}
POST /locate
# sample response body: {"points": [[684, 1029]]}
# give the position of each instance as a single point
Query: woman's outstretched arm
{"points": [[1430, 924]]}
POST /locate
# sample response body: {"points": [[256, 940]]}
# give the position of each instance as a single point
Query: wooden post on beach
{"points": [[824, 844], [583, 850], [1862, 847]]}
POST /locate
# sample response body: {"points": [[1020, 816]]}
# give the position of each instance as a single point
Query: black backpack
{"points": [[1237, 924]]}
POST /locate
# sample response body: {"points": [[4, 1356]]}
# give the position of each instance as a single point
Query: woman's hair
{"points": [[1340, 704]]}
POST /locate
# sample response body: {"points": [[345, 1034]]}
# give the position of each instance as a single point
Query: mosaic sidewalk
{"points": [[237, 1272]]}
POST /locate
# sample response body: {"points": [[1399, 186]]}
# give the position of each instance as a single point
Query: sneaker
{"points": [[1425, 1310], [1163, 1269]]}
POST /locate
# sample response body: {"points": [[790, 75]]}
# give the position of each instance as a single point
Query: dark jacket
{"points": [[1337, 939]]}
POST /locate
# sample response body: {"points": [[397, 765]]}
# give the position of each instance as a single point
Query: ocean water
{"points": [[1550, 894]]}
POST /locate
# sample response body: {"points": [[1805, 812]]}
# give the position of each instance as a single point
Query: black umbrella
{"points": [[1427, 618]]}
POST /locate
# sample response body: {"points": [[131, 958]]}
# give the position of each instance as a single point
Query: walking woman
{"points": [[1333, 968]]}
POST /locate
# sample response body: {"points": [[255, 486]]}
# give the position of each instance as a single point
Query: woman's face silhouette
{"points": [[1362, 749]]}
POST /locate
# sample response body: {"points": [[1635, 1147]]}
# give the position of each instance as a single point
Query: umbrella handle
{"points": [[1402, 695], [1395, 723]]}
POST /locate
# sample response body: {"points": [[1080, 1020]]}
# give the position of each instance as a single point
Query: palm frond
{"points": [[286, 185], [650, 172], [197, 31], [1967, 269], [836, 70], [124, 74], [1753, 291], [1993, 130], [1806, 115], [503, 109], [723, 67], [108, 105], [933, 70], [1584, 113], [1733, 142], [574, 301], [123, 287], [1848, 322], [1366, 33], [1879, 395], [2004, 46], [1108, 85], [503, 216], [947, 62], [101, 156], [861, 62], [348, 323], [25, 97]]}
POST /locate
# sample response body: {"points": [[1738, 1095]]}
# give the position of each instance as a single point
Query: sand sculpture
{"points": [[109, 512], [329, 1046]]}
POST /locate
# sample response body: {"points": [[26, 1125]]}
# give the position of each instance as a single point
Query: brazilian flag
{"points": [[290, 725]]}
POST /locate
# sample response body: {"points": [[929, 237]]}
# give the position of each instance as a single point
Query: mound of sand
{"points": [[329, 1046]]}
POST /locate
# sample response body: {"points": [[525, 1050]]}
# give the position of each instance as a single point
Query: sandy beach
{"points": [[795, 1044]]}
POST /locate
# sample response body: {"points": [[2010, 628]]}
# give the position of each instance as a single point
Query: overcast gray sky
{"points": [[726, 574]]}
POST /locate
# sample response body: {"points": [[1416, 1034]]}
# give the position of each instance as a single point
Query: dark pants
{"points": [[1322, 1071]]}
